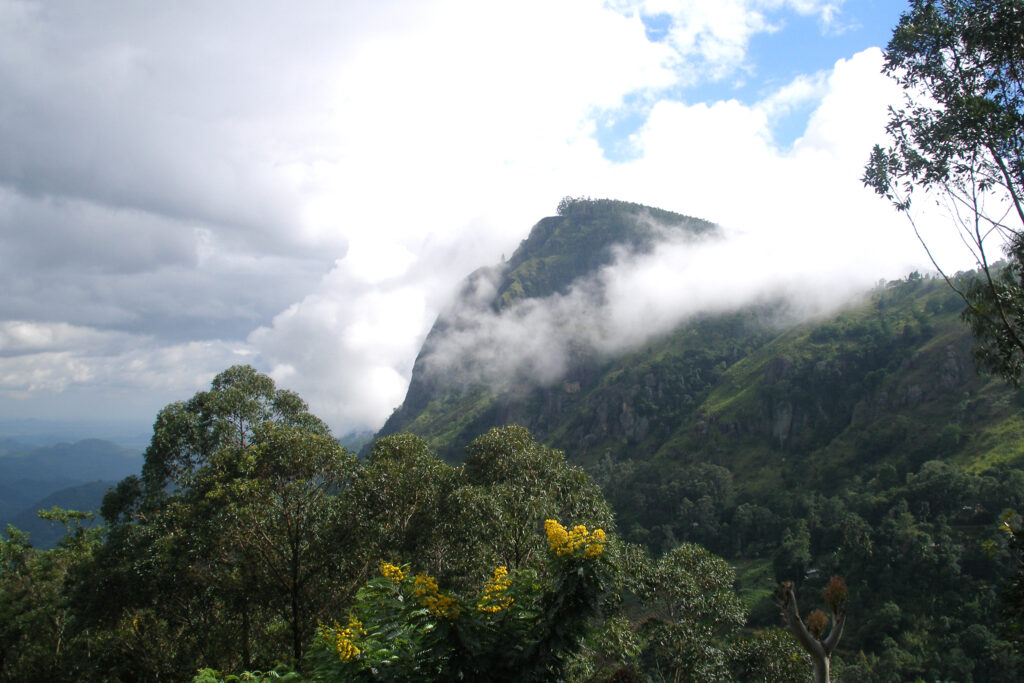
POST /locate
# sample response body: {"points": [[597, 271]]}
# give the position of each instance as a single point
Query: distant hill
{"points": [[30, 476], [35, 433], [83, 497], [356, 440]]}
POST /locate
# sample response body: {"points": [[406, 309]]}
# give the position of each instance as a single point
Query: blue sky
{"points": [[799, 45], [184, 187]]}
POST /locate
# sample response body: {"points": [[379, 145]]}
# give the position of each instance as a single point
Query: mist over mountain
{"points": [[599, 280], [618, 330], [798, 427]]}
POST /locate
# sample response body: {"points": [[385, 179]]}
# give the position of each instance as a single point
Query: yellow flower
{"points": [[424, 584], [344, 639], [557, 536], [346, 650], [493, 600], [564, 542], [443, 606], [426, 590], [392, 572], [356, 626]]}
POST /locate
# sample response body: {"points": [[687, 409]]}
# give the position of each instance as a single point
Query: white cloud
{"points": [[109, 374], [803, 90], [798, 225], [307, 184]]}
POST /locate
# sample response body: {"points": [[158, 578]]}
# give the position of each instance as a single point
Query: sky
{"points": [[302, 186]]}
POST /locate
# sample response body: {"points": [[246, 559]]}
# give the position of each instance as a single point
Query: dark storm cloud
{"points": [[145, 164]]}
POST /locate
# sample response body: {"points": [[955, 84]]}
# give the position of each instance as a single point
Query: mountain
{"points": [[559, 253], [28, 475], [82, 497], [747, 389], [858, 440]]}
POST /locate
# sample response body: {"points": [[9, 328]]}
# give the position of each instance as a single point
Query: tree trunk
{"points": [[819, 650], [246, 627], [296, 624]]}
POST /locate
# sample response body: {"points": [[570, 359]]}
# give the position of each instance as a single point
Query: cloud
{"points": [[620, 307], [82, 263], [99, 374], [803, 90], [797, 226], [709, 40], [20, 337], [304, 187]]}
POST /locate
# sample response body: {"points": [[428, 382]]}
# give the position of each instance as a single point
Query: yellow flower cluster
{"points": [[344, 639], [392, 572], [494, 599], [568, 542], [425, 589]]}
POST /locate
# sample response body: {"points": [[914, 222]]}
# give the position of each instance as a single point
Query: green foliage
{"points": [[522, 626], [770, 656], [402, 497], [580, 240], [959, 137], [691, 613], [793, 558], [39, 639], [251, 527], [228, 548], [511, 484], [214, 676], [186, 434], [866, 436]]}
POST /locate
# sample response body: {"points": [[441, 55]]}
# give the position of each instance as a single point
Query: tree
{"points": [[402, 494], [811, 635], [769, 656], [187, 433], [959, 139], [509, 485], [234, 541], [691, 610], [282, 520], [39, 640], [793, 557]]}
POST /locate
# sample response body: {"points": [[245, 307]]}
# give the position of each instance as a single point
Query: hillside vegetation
{"points": [[862, 442], [747, 389]]}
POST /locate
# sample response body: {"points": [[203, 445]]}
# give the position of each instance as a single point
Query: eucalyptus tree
{"points": [[281, 517], [958, 138], [510, 484], [187, 433], [235, 527], [691, 613], [402, 496]]}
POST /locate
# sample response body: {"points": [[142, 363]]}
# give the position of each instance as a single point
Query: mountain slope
{"points": [[886, 380], [560, 252], [30, 474], [81, 497]]}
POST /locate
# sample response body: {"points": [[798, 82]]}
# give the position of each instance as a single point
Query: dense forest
{"points": [[252, 541]]}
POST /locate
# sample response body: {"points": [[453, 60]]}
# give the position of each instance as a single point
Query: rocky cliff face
{"points": [[879, 380]]}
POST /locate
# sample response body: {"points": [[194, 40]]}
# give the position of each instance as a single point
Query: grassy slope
{"points": [[888, 380]]}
